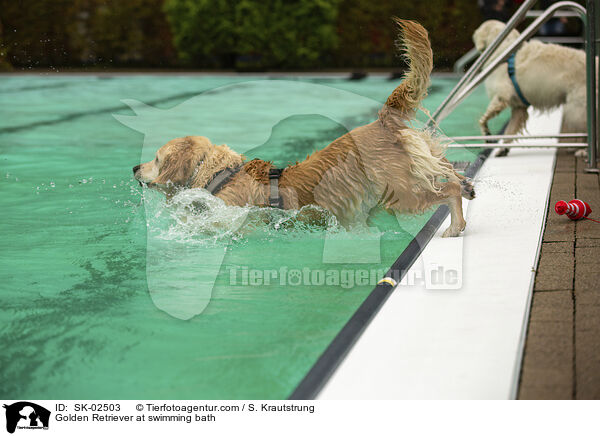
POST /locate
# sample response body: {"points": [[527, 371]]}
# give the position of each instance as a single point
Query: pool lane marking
{"points": [[35, 87], [75, 115], [334, 354]]}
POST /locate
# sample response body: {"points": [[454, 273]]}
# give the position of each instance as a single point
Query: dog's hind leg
{"points": [[516, 124], [496, 106], [574, 119], [518, 120]]}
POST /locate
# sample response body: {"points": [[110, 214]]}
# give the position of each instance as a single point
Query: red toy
{"points": [[575, 209]]}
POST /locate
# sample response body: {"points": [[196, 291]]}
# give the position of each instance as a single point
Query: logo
{"points": [[26, 415]]}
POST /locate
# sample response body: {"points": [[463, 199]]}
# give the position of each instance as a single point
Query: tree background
{"points": [[240, 35]]}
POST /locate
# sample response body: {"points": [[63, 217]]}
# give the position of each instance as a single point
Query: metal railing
{"points": [[493, 138], [477, 73], [460, 65]]}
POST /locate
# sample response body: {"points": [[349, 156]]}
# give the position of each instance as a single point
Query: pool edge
{"points": [[314, 380]]}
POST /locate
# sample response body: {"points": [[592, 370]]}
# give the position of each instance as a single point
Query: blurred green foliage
{"points": [[225, 34], [287, 34], [251, 34], [58, 33], [204, 31], [4, 65]]}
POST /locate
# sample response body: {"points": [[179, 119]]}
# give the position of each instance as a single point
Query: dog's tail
{"points": [[407, 97]]}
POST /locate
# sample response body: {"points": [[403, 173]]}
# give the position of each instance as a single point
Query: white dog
{"points": [[546, 75]]}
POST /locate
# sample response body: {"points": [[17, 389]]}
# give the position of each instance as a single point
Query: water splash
{"points": [[194, 216]]}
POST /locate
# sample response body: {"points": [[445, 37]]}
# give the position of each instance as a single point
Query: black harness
{"points": [[275, 199], [224, 176], [221, 178]]}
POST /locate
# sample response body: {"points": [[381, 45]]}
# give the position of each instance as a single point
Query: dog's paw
{"points": [[485, 130], [467, 189], [454, 230], [502, 152]]}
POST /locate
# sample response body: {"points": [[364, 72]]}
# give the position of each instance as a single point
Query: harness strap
{"points": [[274, 199], [224, 176], [221, 178], [512, 73]]}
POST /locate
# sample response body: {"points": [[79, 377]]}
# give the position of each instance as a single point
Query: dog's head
{"points": [[186, 162], [488, 31]]}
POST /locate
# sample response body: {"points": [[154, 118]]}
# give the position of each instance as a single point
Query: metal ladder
{"points": [[477, 74]]}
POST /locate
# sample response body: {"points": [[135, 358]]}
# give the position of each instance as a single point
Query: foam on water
{"points": [[197, 217]]}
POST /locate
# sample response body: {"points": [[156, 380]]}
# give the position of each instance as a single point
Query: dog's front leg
{"points": [[467, 188], [496, 106], [457, 222], [451, 195]]}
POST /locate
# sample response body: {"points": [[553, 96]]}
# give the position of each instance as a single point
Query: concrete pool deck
{"points": [[562, 351]]}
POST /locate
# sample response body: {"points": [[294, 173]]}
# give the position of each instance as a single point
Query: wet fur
{"points": [[385, 163]]}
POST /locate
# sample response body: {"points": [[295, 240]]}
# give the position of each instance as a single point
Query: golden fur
{"points": [[384, 163]]}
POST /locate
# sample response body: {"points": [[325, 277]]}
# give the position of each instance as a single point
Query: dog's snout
{"points": [[136, 168]]}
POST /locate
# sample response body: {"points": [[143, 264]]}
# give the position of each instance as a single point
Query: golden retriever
{"points": [[548, 75], [384, 164]]}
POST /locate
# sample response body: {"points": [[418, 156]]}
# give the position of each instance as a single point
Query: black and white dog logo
{"points": [[26, 415]]}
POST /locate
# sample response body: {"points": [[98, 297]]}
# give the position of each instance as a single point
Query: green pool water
{"points": [[107, 293]]}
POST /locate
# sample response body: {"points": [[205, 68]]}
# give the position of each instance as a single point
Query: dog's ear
{"points": [[480, 44], [177, 168], [479, 40], [488, 31], [216, 158]]}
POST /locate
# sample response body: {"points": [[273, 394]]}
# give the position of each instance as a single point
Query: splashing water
{"points": [[195, 216]]}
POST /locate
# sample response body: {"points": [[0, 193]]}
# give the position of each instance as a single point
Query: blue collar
{"points": [[512, 74]]}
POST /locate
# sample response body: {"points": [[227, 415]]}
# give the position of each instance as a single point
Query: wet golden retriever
{"points": [[384, 164]]}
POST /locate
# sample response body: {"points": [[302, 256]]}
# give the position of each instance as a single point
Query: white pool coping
{"points": [[463, 343]]}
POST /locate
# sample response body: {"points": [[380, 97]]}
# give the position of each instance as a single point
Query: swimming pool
{"points": [[84, 250]]}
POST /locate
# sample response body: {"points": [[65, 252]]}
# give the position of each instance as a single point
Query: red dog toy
{"points": [[575, 209]]}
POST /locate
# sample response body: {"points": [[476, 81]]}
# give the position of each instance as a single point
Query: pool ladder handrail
{"points": [[477, 73], [460, 65]]}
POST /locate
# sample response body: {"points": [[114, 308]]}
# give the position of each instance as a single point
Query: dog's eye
{"points": [[156, 159]]}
